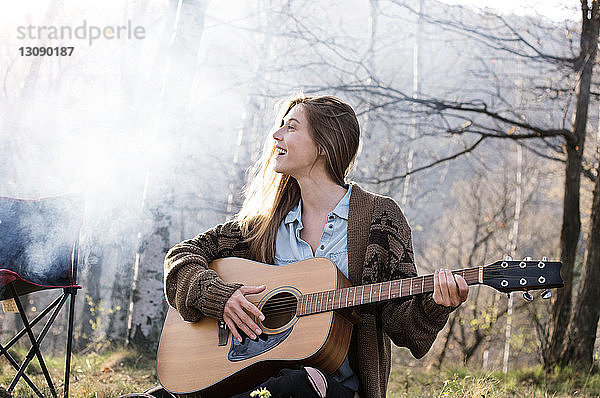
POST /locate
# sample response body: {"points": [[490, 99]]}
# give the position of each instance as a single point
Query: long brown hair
{"points": [[270, 195]]}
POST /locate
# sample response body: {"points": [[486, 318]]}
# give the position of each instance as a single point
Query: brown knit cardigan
{"points": [[379, 249]]}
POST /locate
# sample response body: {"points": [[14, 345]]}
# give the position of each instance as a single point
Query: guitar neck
{"points": [[358, 295]]}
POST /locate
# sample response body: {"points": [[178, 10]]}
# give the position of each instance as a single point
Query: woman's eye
{"points": [[290, 127]]}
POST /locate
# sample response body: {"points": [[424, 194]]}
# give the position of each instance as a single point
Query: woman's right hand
{"points": [[237, 309]]}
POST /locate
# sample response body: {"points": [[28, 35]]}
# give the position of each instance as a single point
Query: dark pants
{"points": [[296, 383]]}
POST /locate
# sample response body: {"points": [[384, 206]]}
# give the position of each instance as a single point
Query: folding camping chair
{"points": [[38, 251]]}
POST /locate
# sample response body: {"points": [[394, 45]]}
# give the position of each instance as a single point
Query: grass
{"points": [[120, 372], [92, 376], [469, 383]]}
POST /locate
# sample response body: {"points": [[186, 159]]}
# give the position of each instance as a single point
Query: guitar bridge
{"points": [[223, 333]]}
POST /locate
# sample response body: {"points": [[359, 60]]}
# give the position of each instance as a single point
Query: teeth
{"points": [[281, 151]]}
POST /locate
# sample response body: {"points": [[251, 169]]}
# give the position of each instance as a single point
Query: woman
{"points": [[299, 206]]}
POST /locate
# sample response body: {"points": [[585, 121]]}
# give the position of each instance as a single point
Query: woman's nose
{"points": [[277, 134]]}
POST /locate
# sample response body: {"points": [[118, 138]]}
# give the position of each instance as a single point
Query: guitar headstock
{"points": [[514, 275]]}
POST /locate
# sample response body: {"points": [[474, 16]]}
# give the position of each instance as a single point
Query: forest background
{"points": [[483, 124]]}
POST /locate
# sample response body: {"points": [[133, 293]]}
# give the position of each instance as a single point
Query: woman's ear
{"points": [[321, 151]]}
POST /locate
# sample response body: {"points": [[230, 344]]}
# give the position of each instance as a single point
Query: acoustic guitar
{"points": [[305, 323]]}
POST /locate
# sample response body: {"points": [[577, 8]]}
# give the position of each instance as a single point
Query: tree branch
{"points": [[384, 180]]}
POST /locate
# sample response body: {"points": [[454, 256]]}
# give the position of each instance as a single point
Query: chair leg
{"points": [[33, 340], [73, 292], [15, 365], [32, 323], [40, 338], [21, 369]]}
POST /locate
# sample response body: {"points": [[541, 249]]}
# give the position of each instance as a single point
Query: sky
{"points": [[556, 10]]}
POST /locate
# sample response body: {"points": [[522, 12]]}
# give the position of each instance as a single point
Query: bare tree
{"points": [[147, 306], [480, 119]]}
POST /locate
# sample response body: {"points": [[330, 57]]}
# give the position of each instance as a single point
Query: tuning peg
{"points": [[508, 258], [527, 258], [546, 294], [544, 258], [527, 296]]}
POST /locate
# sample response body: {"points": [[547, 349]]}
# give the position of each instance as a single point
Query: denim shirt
{"points": [[290, 248]]}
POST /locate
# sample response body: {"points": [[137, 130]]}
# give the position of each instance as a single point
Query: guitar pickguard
{"points": [[249, 348]]}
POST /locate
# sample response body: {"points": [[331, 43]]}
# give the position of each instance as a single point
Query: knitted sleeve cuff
{"points": [[435, 312], [216, 294]]}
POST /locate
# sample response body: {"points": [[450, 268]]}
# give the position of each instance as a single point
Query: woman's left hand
{"points": [[449, 290]]}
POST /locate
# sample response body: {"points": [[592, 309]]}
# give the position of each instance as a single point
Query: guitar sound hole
{"points": [[279, 310]]}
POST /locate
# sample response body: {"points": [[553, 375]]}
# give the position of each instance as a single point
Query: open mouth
{"points": [[281, 152]]}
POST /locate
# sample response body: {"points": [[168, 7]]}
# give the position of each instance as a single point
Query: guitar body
{"points": [[191, 361]]}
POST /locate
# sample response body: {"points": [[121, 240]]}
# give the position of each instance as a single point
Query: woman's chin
{"points": [[280, 170]]}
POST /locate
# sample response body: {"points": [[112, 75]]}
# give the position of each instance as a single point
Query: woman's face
{"points": [[296, 152]]}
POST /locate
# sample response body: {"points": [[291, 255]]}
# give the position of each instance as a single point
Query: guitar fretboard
{"points": [[328, 300]]}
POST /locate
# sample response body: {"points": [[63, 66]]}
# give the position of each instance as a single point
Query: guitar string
{"points": [[428, 278], [418, 279], [290, 304], [427, 285]]}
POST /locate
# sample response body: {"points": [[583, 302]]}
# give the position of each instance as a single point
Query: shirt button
{"points": [[331, 217], [330, 226], [322, 247]]}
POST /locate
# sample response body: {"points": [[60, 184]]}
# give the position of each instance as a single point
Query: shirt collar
{"points": [[295, 213], [341, 210]]}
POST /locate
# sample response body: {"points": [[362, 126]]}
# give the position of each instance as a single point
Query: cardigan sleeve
{"points": [[413, 322], [190, 286]]}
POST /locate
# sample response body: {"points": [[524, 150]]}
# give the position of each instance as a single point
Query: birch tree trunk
{"points": [[147, 306], [136, 88]]}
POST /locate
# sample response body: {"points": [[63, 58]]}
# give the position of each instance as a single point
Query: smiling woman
{"points": [[298, 207], [320, 137]]}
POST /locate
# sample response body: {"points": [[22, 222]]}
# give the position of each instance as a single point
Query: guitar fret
{"points": [[321, 301], [333, 301], [334, 305], [346, 297]]}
